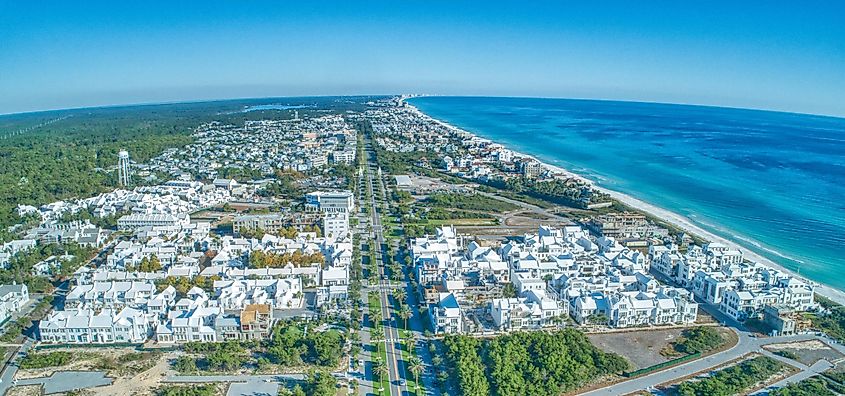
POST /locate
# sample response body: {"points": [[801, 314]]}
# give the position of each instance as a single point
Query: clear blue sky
{"points": [[755, 54]]}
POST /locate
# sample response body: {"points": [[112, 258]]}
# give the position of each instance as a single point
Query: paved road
{"points": [[11, 367], [66, 381], [747, 343], [817, 368], [193, 379], [395, 364]]}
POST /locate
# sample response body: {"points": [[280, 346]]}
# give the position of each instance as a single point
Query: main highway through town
{"points": [[391, 337]]}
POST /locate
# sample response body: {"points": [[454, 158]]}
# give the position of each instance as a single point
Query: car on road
{"points": [[402, 382]]}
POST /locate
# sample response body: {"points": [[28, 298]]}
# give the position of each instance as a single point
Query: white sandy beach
{"points": [[675, 219]]}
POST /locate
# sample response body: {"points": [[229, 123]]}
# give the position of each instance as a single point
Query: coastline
{"points": [[677, 220]]}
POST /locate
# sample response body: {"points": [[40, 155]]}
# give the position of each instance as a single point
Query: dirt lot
{"points": [[809, 352], [133, 373], [31, 390], [642, 348]]}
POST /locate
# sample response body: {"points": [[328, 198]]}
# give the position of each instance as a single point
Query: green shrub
{"points": [[699, 340], [42, 360]]}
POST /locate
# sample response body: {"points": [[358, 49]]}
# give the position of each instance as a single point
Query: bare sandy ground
{"points": [[140, 384]]}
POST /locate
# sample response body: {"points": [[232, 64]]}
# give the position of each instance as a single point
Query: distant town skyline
{"points": [[788, 57]]}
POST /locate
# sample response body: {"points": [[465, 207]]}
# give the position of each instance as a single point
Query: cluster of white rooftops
{"points": [[557, 272]]}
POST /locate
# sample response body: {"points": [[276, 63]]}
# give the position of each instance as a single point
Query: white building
{"points": [[335, 224], [12, 299], [278, 293], [330, 201], [110, 295], [533, 311], [446, 316], [133, 221], [86, 327]]}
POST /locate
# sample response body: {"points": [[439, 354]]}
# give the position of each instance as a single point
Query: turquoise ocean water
{"points": [[772, 182]]}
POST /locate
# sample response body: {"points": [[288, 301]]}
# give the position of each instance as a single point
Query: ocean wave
{"points": [[738, 237]]}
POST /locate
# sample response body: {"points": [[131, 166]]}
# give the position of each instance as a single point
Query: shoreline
{"points": [[675, 219]]}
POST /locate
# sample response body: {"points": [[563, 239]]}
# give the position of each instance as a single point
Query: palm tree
{"points": [[399, 294], [415, 366], [380, 369], [405, 313]]}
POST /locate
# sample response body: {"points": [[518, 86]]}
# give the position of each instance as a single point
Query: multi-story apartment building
{"points": [[330, 201], [446, 317], [270, 223], [84, 326]]}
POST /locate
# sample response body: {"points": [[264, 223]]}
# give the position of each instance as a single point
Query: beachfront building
{"points": [[553, 272], [721, 277]]}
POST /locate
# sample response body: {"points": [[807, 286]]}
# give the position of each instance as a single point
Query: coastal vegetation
{"points": [[698, 340], [813, 386], [188, 390], [476, 202], [289, 345], [831, 320], [562, 192], [733, 380], [43, 360], [540, 363]]}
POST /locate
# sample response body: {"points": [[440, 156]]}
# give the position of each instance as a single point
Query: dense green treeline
{"points": [[813, 386], [289, 345], [556, 191], [66, 159], [734, 379], [476, 202], [537, 363], [43, 161], [831, 320], [464, 354], [21, 264]]}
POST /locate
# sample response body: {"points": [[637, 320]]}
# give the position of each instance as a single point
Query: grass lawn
{"points": [[407, 353], [384, 381], [464, 222]]}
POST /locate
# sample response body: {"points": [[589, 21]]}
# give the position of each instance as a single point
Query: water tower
{"points": [[123, 167]]}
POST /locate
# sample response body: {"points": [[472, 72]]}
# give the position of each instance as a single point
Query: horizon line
{"points": [[416, 95]]}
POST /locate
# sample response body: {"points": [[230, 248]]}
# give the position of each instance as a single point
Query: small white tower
{"points": [[123, 167]]}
